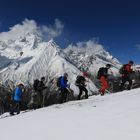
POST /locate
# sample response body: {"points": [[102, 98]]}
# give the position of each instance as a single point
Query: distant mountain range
{"points": [[28, 57]]}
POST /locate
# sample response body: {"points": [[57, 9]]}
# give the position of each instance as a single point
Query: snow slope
{"points": [[109, 117]]}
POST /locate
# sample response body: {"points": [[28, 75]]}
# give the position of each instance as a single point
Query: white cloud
{"points": [[138, 46], [30, 26], [53, 31], [90, 46]]}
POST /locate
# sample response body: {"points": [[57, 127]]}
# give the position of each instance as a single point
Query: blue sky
{"points": [[114, 23]]}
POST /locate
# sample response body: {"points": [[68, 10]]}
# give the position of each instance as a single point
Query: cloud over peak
{"points": [[53, 30], [30, 26], [90, 46]]}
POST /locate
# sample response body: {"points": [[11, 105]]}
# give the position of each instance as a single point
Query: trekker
{"points": [[41, 85], [126, 75], [40, 88], [80, 82], [35, 84], [103, 75], [64, 87], [17, 97], [1, 106]]}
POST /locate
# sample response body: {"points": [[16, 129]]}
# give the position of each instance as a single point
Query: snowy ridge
{"points": [[90, 56]]}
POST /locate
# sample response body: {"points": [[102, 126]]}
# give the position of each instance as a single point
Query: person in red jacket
{"points": [[102, 75], [126, 75]]}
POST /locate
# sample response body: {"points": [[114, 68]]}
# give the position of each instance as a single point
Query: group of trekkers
{"points": [[125, 71], [64, 86]]}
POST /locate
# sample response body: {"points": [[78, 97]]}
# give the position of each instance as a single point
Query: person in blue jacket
{"points": [[17, 96], [64, 87]]}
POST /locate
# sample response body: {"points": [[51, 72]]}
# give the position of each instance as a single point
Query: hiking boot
{"points": [[102, 94], [18, 113], [11, 113], [86, 97]]}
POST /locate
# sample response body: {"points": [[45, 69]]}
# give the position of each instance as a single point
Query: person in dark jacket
{"points": [[17, 97], [41, 85], [64, 87], [103, 79], [126, 75], [40, 89], [80, 82], [1, 106]]}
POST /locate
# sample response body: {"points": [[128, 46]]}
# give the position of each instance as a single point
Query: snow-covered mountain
{"points": [[29, 57], [25, 56], [90, 56]]}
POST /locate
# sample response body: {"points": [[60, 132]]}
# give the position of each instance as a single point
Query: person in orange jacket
{"points": [[102, 75], [126, 75]]}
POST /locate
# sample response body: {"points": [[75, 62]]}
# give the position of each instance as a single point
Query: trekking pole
{"points": [[69, 90]]}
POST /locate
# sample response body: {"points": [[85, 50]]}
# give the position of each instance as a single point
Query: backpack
{"points": [[35, 84], [77, 82], [80, 80], [13, 94], [58, 82], [122, 69], [100, 72]]}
